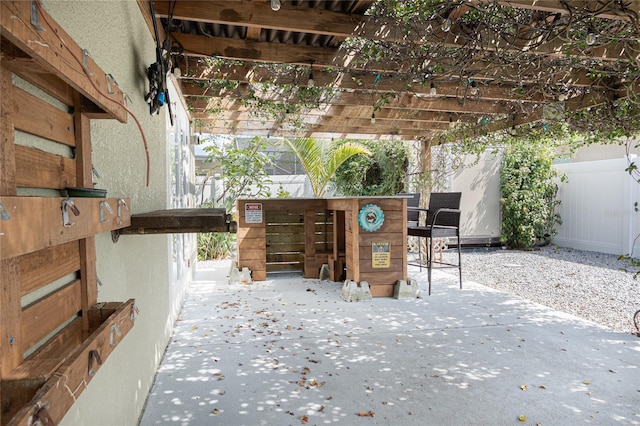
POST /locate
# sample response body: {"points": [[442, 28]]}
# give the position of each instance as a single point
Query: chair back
{"points": [[444, 200], [413, 200]]}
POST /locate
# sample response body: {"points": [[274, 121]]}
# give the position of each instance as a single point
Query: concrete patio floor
{"points": [[291, 351]]}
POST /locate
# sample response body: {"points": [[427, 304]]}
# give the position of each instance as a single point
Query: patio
{"points": [[289, 350]]}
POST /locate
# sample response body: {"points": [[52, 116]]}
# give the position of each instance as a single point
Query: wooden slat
{"points": [[284, 228], [284, 257], [290, 238], [253, 254], [7, 146], [42, 363], [40, 169], [74, 373], [44, 214], [383, 290], [28, 69], [62, 59], [45, 266], [42, 317], [10, 315], [280, 267], [37, 117], [180, 221], [10, 311], [285, 247]]}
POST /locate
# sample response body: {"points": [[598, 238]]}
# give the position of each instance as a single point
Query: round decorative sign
{"points": [[371, 217]]}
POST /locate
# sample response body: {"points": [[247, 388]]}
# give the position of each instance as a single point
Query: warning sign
{"points": [[381, 254], [253, 212]]}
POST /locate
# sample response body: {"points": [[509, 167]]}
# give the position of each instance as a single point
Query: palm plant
{"points": [[320, 161]]}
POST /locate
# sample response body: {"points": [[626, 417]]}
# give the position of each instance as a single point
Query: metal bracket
{"points": [[115, 235], [85, 64], [134, 312], [122, 203], [4, 214], [115, 330], [104, 205], [34, 16], [93, 354], [109, 79], [66, 205]]}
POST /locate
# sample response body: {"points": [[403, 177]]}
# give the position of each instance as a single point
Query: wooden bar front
{"points": [[303, 234]]}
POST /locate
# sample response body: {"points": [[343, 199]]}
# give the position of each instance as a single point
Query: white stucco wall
{"points": [[116, 35]]}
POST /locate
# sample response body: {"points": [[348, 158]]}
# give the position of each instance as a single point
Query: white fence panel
{"points": [[597, 207]]}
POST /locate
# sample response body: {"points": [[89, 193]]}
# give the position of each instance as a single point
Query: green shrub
{"points": [[528, 202]]}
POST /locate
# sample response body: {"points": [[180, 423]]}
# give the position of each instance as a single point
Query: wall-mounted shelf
{"points": [[54, 335], [180, 221]]}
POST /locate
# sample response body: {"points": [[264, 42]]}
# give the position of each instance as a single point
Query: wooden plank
{"points": [[180, 221], [89, 277], [280, 267], [42, 317], [82, 142], [285, 247], [55, 51], [40, 169], [84, 178], [285, 228], [298, 238], [22, 65], [284, 257], [46, 360], [255, 254], [7, 146], [384, 290], [379, 278], [74, 372], [44, 214], [288, 217], [10, 316], [37, 117], [251, 233], [10, 310], [45, 266]]}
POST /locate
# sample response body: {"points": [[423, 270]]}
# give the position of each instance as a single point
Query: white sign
{"points": [[253, 212]]}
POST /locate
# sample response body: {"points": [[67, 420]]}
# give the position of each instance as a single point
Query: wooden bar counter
{"points": [[360, 238]]}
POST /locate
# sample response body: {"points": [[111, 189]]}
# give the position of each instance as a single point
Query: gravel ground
{"points": [[590, 285]]}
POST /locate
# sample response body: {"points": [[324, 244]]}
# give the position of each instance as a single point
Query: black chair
{"points": [[442, 221]]}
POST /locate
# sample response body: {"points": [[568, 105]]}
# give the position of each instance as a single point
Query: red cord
{"points": [[86, 71]]}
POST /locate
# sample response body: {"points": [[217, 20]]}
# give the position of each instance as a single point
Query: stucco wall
{"points": [[117, 38], [479, 183]]}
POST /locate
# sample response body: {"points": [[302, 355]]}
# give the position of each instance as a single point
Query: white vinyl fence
{"points": [[597, 207]]}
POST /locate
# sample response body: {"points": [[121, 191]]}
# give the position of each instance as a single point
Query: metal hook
{"points": [[104, 205], [66, 205], [134, 312], [4, 214], [114, 330], [85, 64], [122, 203], [93, 354], [34, 16]]}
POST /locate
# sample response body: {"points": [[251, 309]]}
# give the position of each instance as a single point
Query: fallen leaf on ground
{"points": [[524, 387], [522, 418], [366, 414]]}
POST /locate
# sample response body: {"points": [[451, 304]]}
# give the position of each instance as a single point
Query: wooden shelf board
{"points": [[180, 221]]}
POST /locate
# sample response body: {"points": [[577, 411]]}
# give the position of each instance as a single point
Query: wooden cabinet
{"points": [[304, 234], [54, 335]]}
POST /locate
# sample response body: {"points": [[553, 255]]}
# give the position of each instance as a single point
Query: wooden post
{"points": [[10, 309], [84, 179]]}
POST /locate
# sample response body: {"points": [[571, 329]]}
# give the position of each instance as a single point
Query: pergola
{"points": [[408, 70]]}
